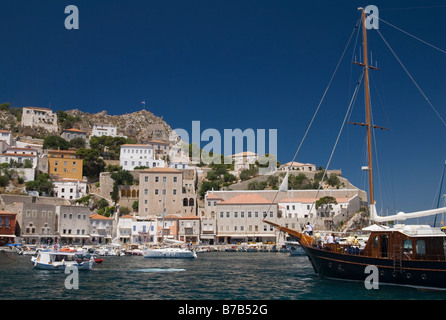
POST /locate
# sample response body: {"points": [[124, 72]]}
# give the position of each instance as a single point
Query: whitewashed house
{"points": [[298, 166], [134, 231], [138, 155], [242, 160], [70, 188], [6, 136], [23, 160], [105, 130], [39, 117]]}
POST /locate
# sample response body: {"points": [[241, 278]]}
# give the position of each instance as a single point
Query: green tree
{"points": [[43, 184], [325, 203], [207, 186], [135, 205], [55, 142], [77, 143], [93, 163]]}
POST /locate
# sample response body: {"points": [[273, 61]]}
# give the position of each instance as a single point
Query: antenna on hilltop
{"points": [[143, 104]]}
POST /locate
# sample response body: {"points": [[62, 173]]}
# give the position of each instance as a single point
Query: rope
{"points": [[319, 105], [413, 80], [352, 100]]}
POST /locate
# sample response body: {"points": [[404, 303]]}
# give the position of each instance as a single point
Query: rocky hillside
{"points": [[140, 126]]}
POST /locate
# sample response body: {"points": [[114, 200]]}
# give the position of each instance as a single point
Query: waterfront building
{"points": [[73, 224], [239, 214], [7, 227], [39, 117], [163, 186], [70, 134], [101, 229], [208, 230], [189, 229], [65, 164], [138, 155], [239, 219], [37, 222], [133, 230]]}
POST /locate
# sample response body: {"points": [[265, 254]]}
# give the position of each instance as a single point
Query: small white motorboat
{"points": [[59, 260]]}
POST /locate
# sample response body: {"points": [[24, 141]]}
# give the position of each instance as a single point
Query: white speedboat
{"points": [[168, 252], [294, 248], [59, 260]]}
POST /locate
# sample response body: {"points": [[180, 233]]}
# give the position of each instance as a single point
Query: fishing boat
{"points": [[407, 255], [59, 260]]}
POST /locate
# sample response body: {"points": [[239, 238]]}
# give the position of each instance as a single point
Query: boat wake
{"points": [[155, 270]]}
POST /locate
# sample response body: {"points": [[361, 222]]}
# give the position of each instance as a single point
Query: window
{"points": [[235, 214], [421, 247], [174, 191], [146, 179], [175, 179], [156, 191], [227, 214], [157, 179], [242, 214], [221, 214], [407, 246]]}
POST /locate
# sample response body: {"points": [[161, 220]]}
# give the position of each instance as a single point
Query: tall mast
{"points": [[367, 107]]}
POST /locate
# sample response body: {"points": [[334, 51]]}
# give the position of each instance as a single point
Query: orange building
{"points": [[65, 164]]}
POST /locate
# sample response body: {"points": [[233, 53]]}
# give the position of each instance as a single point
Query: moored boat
{"points": [[59, 260], [408, 255]]}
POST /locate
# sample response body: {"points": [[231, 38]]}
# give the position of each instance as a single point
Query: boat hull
{"points": [[84, 265], [422, 274], [170, 254]]}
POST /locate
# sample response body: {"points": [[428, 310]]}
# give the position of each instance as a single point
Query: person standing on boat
{"points": [[309, 229]]}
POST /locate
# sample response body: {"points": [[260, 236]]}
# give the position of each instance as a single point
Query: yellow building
{"points": [[65, 164]]}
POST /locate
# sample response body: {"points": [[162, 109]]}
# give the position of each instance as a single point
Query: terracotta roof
{"points": [[127, 216], [244, 154], [158, 141], [297, 164], [75, 130], [311, 200], [213, 196], [19, 154], [190, 218], [250, 198], [62, 151], [38, 108], [98, 216], [7, 212], [136, 145], [5, 131]]}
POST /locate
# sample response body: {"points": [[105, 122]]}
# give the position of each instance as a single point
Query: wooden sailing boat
{"points": [[411, 255]]}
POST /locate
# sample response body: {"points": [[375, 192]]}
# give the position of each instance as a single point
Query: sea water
{"points": [[212, 276]]}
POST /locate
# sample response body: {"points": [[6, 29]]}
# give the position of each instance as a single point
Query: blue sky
{"points": [[245, 64]]}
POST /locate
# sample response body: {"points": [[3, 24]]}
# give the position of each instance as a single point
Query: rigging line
{"points": [[326, 90], [320, 103], [413, 80], [411, 35], [353, 99]]}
